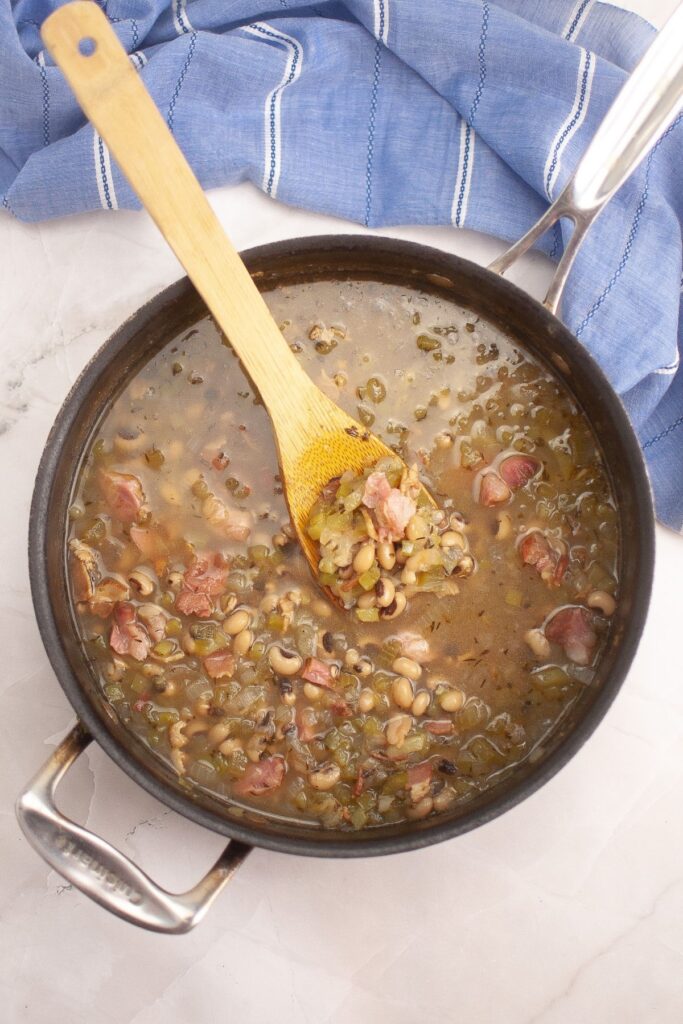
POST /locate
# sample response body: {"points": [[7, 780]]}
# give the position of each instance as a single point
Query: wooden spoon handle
{"points": [[116, 101]]}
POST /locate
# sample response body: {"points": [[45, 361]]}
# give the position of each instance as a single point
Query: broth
{"points": [[209, 636]]}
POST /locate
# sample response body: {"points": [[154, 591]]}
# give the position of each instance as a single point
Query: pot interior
{"points": [[342, 258]]}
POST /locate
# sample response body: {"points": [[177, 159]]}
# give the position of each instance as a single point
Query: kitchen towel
{"points": [[464, 112]]}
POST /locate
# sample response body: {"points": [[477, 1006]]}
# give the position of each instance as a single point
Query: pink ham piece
{"points": [[127, 635], [377, 489], [261, 777], [220, 664], [238, 524], [201, 583], [189, 603], [393, 515], [154, 620], [419, 773], [307, 725], [571, 628], [123, 494], [317, 672], [517, 470], [493, 490], [550, 564], [440, 727]]}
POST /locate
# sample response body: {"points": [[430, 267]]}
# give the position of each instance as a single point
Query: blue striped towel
{"points": [[463, 112]]}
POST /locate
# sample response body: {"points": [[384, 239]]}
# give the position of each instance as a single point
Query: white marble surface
{"points": [[567, 909]]}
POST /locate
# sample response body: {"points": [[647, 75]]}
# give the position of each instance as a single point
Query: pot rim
{"points": [[371, 843]]}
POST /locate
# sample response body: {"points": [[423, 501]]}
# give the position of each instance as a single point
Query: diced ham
{"points": [[220, 664], [419, 773], [317, 672], [439, 727], [377, 489], [261, 777], [128, 636], [549, 562], [571, 627], [517, 470], [201, 583], [393, 515], [149, 542], [123, 494], [189, 603], [415, 646], [493, 490]]}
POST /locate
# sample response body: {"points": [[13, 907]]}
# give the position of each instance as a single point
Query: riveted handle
{"points": [[100, 870], [650, 99]]}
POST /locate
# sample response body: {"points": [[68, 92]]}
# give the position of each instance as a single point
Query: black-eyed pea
{"points": [[312, 692], [402, 692], [351, 657], [420, 703], [176, 737], [285, 663], [603, 601], [363, 668], [237, 622], [417, 528], [241, 645], [230, 745], [363, 558], [444, 799], [325, 777], [421, 809], [268, 604], [537, 642], [217, 733], [408, 576], [141, 582], [451, 700], [197, 725], [386, 555], [451, 539], [385, 591], [396, 608], [367, 600], [366, 700], [504, 530], [407, 667]]}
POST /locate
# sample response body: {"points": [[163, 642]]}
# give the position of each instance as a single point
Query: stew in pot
{"points": [[459, 636]]}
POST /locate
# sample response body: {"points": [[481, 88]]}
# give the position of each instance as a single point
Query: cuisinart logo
{"points": [[108, 878]]}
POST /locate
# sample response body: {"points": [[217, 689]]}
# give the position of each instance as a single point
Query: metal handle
{"points": [[103, 872], [650, 99]]}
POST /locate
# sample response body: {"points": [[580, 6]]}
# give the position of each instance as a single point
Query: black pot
{"points": [[95, 866]]}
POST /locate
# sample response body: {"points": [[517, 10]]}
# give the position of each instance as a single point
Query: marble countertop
{"points": [[569, 908]]}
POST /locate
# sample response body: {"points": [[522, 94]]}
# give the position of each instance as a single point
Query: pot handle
{"points": [[647, 103], [103, 872]]}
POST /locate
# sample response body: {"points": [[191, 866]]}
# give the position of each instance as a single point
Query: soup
{"points": [[213, 643]]}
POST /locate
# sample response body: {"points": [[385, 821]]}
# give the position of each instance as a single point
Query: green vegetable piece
{"points": [[368, 579]]}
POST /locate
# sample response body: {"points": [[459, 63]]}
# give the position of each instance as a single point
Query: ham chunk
{"points": [[571, 627], [317, 672], [233, 523], [493, 490], [517, 470], [107, 593], [85, 572], [550, 563], [128, 636], [220, 664], [261, 777], [123, 494], [201, 583], [377, 489]]}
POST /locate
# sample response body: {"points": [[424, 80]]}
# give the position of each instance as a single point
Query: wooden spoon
{"points": [[316, 441]]}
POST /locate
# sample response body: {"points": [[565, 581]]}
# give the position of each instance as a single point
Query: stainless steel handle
{"points": [[101, 871], [650, 99]]}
